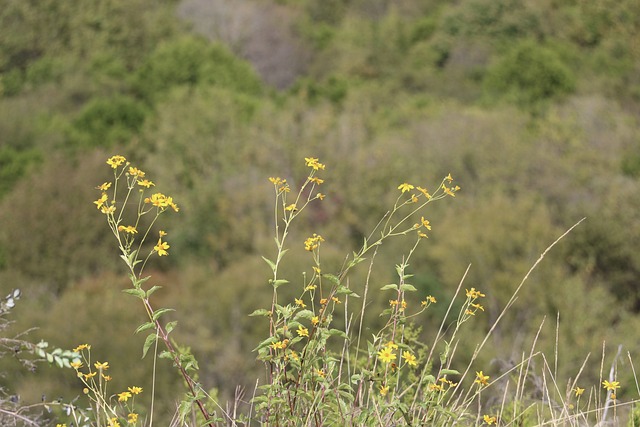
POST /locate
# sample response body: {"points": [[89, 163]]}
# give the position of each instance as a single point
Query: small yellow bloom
{"points": [[425, 223], [481, 378], [76, 364], [336, 300], [108, 210], [404, 187], [132, 418], [611, 385], [276, 180], [302, 331], [146, 183], [135, 390], [136, 172], [89, 375], [124, 396], [104, 187], [113, 422], [473, 293], [409, 358], [384, 390], [162, 233], [320, 373], [313, 163], [101, 201], [161, 248], [116, 161], [490, 419], [414, 198], [300, 303], [291, 208], [477, 307], [422, 235], [321, 196], [316, 180], [101, 366], [61, 425], [578, 391], [386, 355], [448, 191], [106, 377], [316, 269], [431, 299], [128, 229], [448, 178], [323, 301], [436, 387], [424, 191], [315, 320]]}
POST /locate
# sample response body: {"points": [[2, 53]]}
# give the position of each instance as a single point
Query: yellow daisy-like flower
{"points": [[424, 191], [320, 373], [76, 364], [384, 390], [124, 396], [82, 347], [89, 375], [300, 303], [106, 377], [481, 378], [578, 391], [404, 187], [315, 320], [101, 201], [135, 390], [291, 208], [136, 172], [409, 358], [448, 178], [431, 299], [116, 161], [146, 183], [108, 210], [276, 180], [386, 355], [490, 419], [113, 422], [425, 223], [127, 229], [313, 163], [104, 187], [473, 293], [101, 366], [436, 387], [132, 418], [161, 248], [302, 331], [611, 385]]}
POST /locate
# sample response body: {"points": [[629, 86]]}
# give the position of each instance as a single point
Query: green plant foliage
{"points": [[192, 61], [105, 122], [529, 74]]}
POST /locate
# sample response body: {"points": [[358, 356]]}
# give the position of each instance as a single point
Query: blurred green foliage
{"points": [[392, 92]]}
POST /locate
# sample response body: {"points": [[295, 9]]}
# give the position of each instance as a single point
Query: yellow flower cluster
{"points": [[314, 163], [312, 243], [161, 201]]}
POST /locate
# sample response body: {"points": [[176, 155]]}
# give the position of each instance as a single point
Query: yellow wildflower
{"points": [[611, 385], [101, 201], [473, 293], [409, 358], [424, 191], [578, 391], [136, 172], [101, 366], [481, 378], [124, 396], [161, 248], [135, 390], [82, 347], [315, 320], [104, 187], [490, 419], [128, 229], [384, 390], [116, 161], [146, 183], [404, 187], [89, 375], [425, 223], [313, 163], [302, 331], [291, 208], [386, 355], [132, 418], [300, 303]]}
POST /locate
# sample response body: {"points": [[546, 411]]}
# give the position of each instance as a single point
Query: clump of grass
{"points": [[323, 372]]}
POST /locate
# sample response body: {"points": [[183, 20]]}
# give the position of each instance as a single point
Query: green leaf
{"points": [[136, 292], [152, 290], [407, 287], [338, 332], [277, 283], [390, 286], [170, 326], [145, 326], [271, 264], [305, 314], [151, 338], [160, 312], [343, 290], [332, 278], [449, 372], [261, 312]]}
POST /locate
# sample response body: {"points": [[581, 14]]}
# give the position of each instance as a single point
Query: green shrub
{"points": [[528, 75]]}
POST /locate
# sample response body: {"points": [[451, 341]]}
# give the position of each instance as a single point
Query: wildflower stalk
{"points": [[125, 237]]}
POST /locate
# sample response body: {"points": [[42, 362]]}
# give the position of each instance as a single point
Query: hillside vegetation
{"points": [[532, 106]]}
